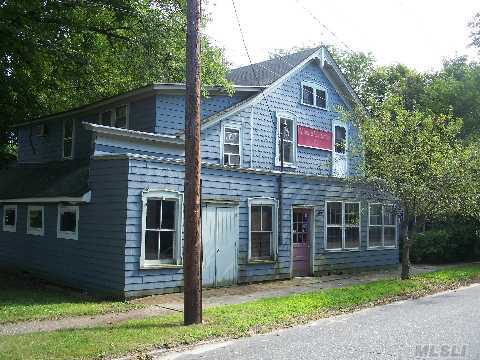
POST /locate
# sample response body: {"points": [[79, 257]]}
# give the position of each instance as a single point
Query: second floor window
{"points": [[287, 130], [340, 139], [231, 146], [117, 117], [314, 95], [68, 133]]}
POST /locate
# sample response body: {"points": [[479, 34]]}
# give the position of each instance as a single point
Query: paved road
{"points": [[443, 326]]}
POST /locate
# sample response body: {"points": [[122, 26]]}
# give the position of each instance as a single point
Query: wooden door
{"points": [[302, 219]]}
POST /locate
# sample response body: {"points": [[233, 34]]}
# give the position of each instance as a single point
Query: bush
{"points": [[447, 243]]}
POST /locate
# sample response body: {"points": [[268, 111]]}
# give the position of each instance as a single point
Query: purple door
{"points": [[301, 242]]}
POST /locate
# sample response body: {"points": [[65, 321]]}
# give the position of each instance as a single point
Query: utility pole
{"points": [[192, 249]]}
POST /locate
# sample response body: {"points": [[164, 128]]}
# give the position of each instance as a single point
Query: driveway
{"points": [[442, 326]]}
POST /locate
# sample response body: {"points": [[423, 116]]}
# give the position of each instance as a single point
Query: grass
{"points": [[229, 321], [23, 298]]}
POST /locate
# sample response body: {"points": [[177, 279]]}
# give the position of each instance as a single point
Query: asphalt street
{"points": [[442, 326]]}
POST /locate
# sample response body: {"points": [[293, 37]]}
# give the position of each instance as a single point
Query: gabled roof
{"points": [[267, 72], [65, 179]]}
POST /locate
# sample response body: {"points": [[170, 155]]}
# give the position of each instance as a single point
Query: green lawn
{"points": [[230, 321], [23, 298]]}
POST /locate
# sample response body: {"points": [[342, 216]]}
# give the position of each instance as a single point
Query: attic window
{"points": [[314, 95]]}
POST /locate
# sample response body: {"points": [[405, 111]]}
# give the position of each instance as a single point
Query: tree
{"points": [[422, 162], [59, 54]]}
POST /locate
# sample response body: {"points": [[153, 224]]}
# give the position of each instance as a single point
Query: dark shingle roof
{"points": [[65, 179], [267, 72]]}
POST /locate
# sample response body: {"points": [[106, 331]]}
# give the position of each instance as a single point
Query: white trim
{"points": [[382, 226], [85, 198], [344, 155], [288, 116], [67, 234], [36, 231], [163, 194], [108, 130], [72, 153], [343, 226], [234, 126], [274, 239], [10, 228], [315, 87]]}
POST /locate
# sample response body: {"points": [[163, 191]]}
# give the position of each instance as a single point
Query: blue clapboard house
{"points": [[95, 200]]}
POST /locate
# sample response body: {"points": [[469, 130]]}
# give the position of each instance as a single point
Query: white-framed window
{"points": [[68, 138], [262, 229], [161, 228], [35, 220], [286, 125], [117, 117], [339, 139], [67, 222], [10, 218], [342, 225], [382, 226], [314, 95], [231, 145]]}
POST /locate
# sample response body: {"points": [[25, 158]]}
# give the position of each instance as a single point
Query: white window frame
{"points": [[293, 118], [395, 226], [161, 194], [222, 143], [72, 154], [274, 240], [10, 228], [113, 118], [315, 87], [343, 226], [67, 234], [35, 231]]}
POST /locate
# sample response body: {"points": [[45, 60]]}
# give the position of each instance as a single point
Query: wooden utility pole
{"points": [[192, 249]]}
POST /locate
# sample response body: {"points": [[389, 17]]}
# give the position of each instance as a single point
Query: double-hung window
{"points": [[382, 226], [161, 228], [231, 146], [117, 117], [314, 95], [263, 225], [342, 225], [35, 220], [286, 129], [67, 222], [68, 136], [10, 218]]}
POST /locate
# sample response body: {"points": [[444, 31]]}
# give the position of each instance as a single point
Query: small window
{"points": [[161, 233], [340, 139], [35, 220], [382, 226], [10, 218], [231, 146], [68, 134], [314, 95], [117, 117], [342, 225], [38, 130], [67, 223], [286, 127], [262, 229]]}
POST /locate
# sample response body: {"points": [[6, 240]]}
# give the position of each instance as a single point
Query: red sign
{"points": [[314, 138]]}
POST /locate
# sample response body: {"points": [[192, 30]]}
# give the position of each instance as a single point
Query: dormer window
{"points": [[117, 117], [314, 95], [231, 145]]}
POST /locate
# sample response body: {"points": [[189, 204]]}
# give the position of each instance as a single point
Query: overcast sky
{"points": [[418, 33]]}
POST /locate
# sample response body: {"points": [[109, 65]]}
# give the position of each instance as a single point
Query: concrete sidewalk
{"points": [[160, 305]]}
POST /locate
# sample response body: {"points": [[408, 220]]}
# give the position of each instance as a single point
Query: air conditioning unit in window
{"points": [[231, 159]]}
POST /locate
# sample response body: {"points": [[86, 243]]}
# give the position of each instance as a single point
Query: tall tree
{"points": [[58, 54]]}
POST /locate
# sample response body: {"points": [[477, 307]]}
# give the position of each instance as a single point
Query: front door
{"points": [[302, 219], [220, 239]]}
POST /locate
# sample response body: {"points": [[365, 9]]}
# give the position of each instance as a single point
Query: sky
{"points": [[418, 33]]}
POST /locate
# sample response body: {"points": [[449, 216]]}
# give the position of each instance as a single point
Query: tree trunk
{"points": [[410, 230]]}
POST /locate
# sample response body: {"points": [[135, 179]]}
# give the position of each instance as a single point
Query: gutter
{"points": [[85, 198]]}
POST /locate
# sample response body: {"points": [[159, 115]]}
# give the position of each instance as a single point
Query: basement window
{"points": [[161, 229]]}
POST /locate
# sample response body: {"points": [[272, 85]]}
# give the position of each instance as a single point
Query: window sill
{"points": [[259, 261], [9, 229], [341, 250], [36, 233], [286, 165], [160, 266], [376, 248], [314, 107]]}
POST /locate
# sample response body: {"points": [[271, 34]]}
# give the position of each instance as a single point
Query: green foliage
{"points": [[59, 54], [229, 321]]}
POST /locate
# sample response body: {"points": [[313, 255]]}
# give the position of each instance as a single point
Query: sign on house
{"points": [[314, 138]]}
